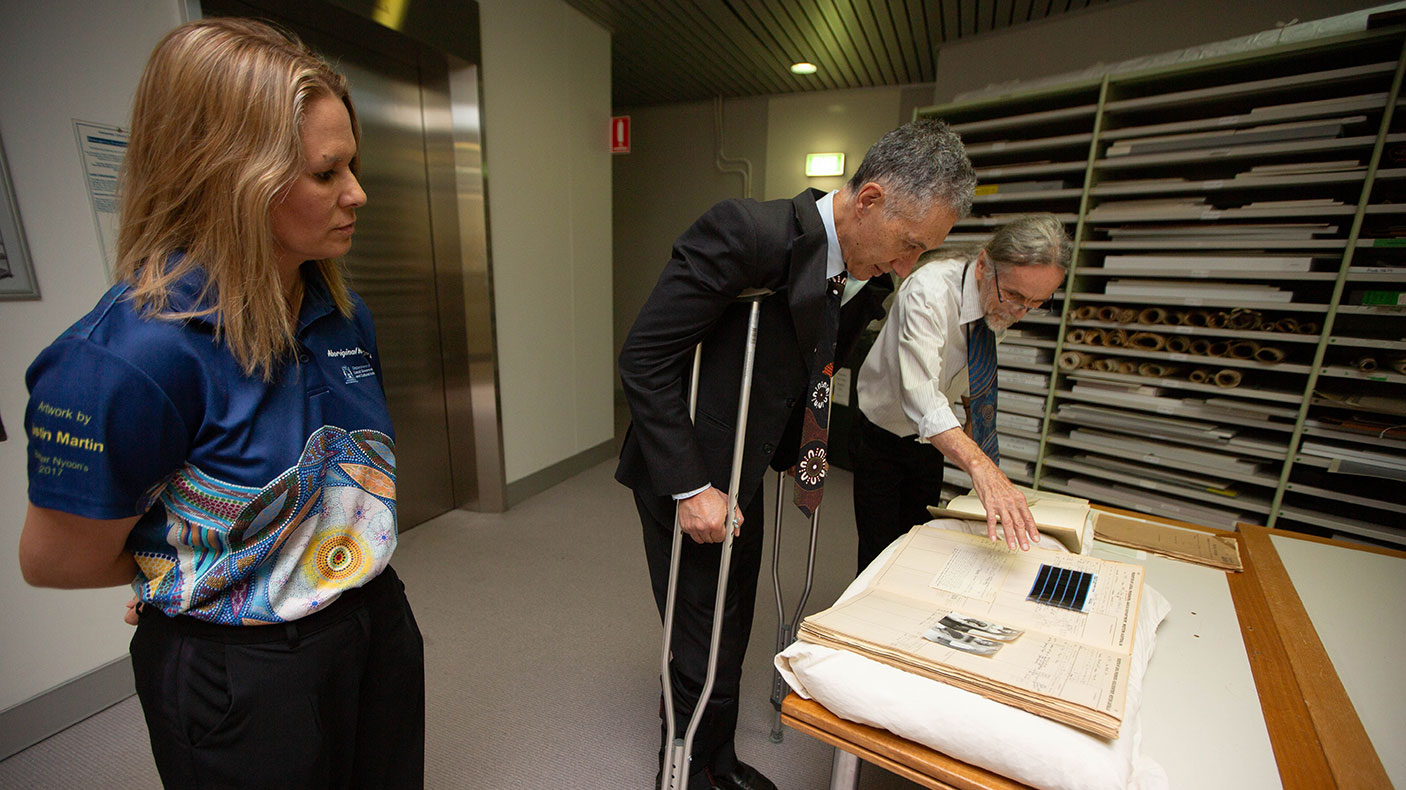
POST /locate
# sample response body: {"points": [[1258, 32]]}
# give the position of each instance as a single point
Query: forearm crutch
{"points": [[674, 775], [786, 629]]}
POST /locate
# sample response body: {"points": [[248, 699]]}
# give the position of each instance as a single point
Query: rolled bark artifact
{"points": [[1216, 320], [1399, 365], [1152, 315], [1104, 365], [1287, 324], [1093, 337], [1240, 318], [1199, 376], [1178, 344], [1085, 312], [1201, 346], [1147, 341], [1108, 313], [1127, 366], [1308, 328], [1075, 336], [1269, 354], [1227, 378], [1365, 364], [1073, 360], [1126, 315], [1243, 349], [1200, 318], [1181, 317], [1155, 370], [1118, 338]]}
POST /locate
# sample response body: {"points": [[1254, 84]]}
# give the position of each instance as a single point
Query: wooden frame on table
{"points": [[1317, 738]]}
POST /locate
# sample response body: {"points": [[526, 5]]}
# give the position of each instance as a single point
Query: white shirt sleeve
{"points": [[923, 334]]}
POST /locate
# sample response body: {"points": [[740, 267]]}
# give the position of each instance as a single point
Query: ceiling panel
{"points": [[688, 50]]}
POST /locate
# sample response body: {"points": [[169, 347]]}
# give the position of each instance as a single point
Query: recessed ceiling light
{"points": [[803, 68]]}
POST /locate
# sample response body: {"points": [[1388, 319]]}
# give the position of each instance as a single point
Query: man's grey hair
{"points": [[1031, 240], [922, 161]]}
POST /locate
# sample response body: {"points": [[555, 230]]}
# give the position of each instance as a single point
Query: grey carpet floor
{"points": [[542, 653]]}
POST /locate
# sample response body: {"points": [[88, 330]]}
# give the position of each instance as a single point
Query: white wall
{"points": [[546, 74], [844, 120], [60, 60], [547, 106], [669, 178]]}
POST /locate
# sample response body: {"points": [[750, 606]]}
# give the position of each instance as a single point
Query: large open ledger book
{"points": [[1068, 519], [1045, 631]]}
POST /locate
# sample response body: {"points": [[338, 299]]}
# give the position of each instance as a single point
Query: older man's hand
{"points": [[703, 516], [1004, 503]]}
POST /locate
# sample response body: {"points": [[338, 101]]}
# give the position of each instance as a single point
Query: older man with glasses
{"points": [[938, 348]]}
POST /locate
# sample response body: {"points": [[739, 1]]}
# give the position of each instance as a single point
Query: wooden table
{"points": [[1317, 738]]}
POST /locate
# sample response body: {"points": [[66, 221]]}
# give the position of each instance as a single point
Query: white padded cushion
{"points": [[969, 727]]}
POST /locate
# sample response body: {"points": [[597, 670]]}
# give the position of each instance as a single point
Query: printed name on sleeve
{"points": [[63, 436]]}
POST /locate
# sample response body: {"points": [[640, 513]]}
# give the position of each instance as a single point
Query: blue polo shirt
{"points": [[260, 501]]}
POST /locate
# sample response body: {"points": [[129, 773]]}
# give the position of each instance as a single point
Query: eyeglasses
{"points": [[1017, 300]]}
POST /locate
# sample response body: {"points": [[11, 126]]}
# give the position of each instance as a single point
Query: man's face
{"points": [[1020, 288], [888, 236]]}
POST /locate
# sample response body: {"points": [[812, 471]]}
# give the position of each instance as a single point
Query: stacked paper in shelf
{"points": [[1343, 452], [1291, 204], [1180, 288], [1146, 207], [1019, 186], [1243, 231], [1022, 380], [1154, 504], [1268, 133], [1207, 482], [1019, 422], [966, 238], [1265, 263], [1154, 452], [1333, 106], [1022, 403], [1143, 424], [1148, 479], [1018, 446], [952, 477], [1303, 168], [1017, 470], [1242, 412], [1029, 355], [1095, 385]]}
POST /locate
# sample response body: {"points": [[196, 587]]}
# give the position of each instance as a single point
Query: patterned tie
{"points": [[981, 376], [812, 464]]}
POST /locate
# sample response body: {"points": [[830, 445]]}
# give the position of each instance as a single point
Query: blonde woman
{"points": [[215, 433]]}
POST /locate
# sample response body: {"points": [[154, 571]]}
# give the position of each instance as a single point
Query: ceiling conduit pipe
{"points": [[725, 164]]}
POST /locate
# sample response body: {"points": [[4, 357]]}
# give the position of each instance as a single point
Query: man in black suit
{"points": [[913, 185]]}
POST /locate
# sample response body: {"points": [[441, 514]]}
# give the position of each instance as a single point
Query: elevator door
{"points": [[392, 263]]}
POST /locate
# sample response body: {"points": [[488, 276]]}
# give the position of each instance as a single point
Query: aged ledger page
{"points": [[971, 612]]}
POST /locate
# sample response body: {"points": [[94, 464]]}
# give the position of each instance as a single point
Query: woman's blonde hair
{"points": [[216, 139]]}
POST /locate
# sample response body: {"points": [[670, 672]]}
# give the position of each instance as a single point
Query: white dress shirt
{"points": [[917, 368]]}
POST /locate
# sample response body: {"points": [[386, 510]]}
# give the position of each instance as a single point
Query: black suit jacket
{"points": [[734, 246]]}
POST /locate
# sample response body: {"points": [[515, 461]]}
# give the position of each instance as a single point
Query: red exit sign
{"points": [[620, 134]]}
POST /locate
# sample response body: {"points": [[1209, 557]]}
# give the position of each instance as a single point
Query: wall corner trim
{"points": [[26, 723], [541, 480]]}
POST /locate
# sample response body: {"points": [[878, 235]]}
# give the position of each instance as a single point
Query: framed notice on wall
{"points": [[16, 273], [102, 148]]}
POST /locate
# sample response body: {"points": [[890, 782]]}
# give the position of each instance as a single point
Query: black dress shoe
{"points": [[743, 777]]}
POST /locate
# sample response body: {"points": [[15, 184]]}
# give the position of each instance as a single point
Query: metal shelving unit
{"points": [[1270, 186]]}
